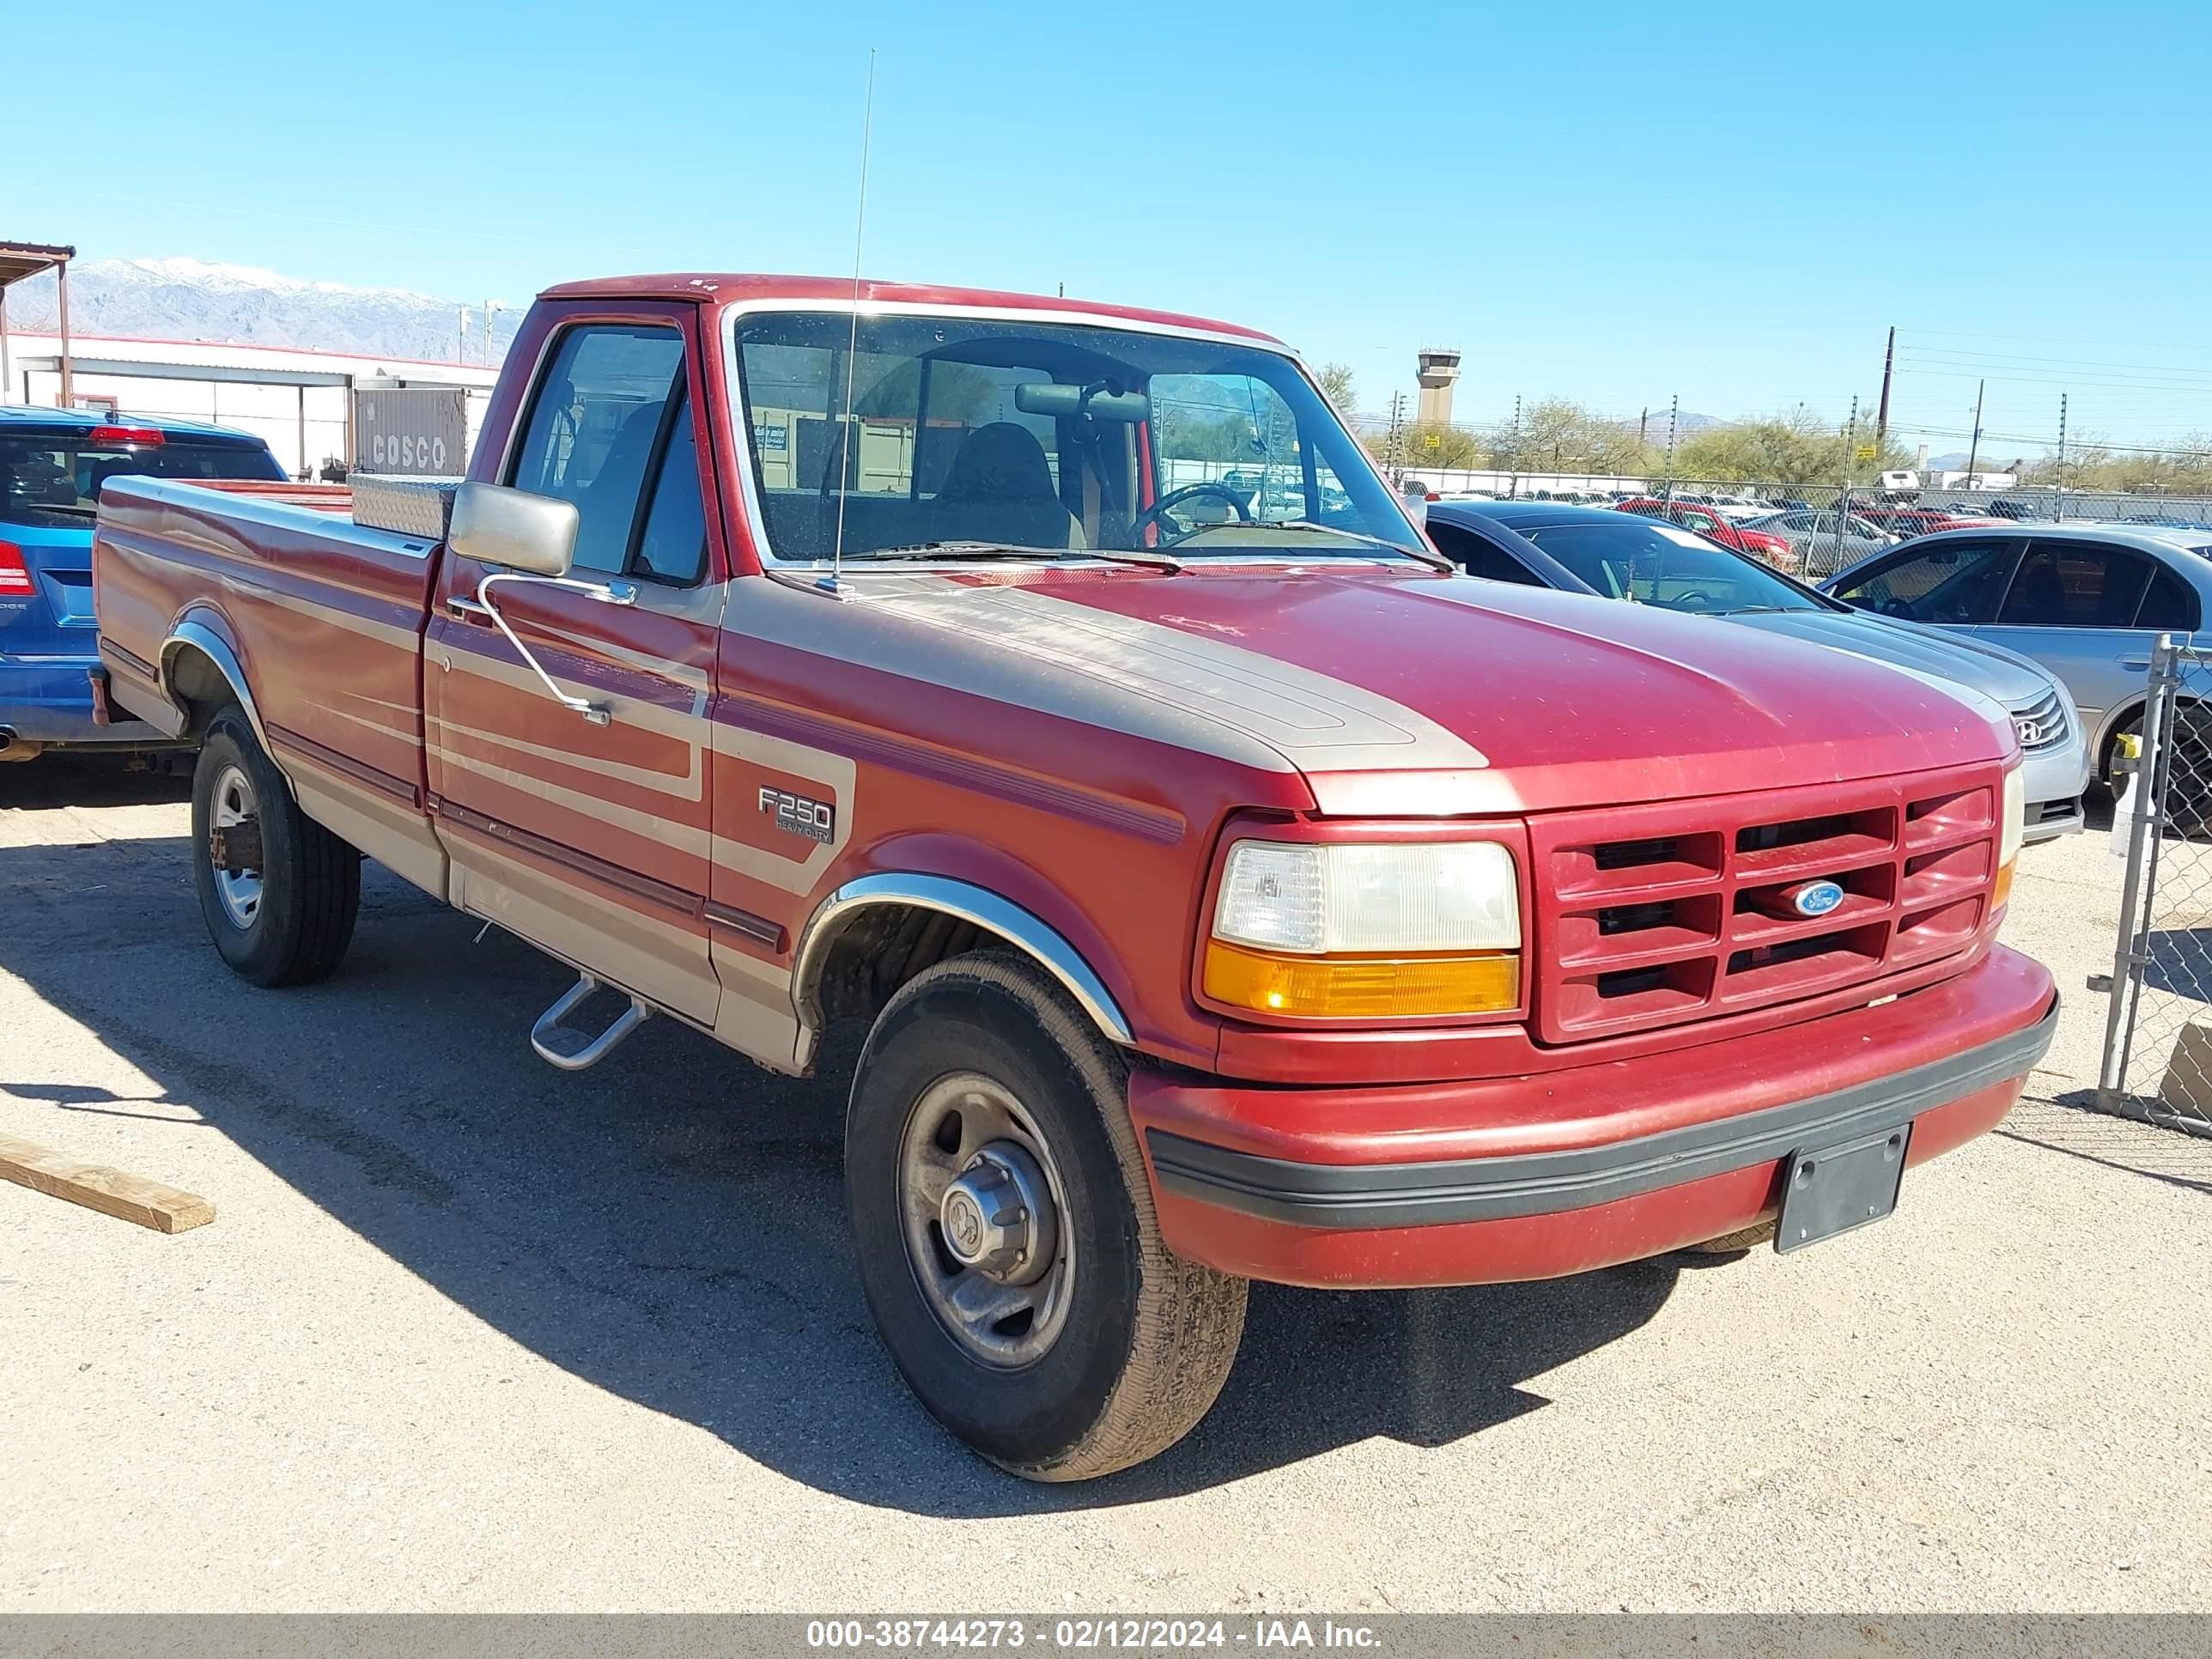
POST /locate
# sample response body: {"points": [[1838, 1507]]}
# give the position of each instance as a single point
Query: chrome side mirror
{"points": [[513, 529]]}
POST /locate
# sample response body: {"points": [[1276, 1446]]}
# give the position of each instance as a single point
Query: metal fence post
{"points": [[2128, 960]]}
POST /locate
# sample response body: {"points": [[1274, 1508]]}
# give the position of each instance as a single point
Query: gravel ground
{"points": [[470, 1334]]}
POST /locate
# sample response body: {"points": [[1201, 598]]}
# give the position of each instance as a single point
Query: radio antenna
{"points": [[853, 338]]}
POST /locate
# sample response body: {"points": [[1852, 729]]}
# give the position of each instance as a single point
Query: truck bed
{"points": [[323, 616]]}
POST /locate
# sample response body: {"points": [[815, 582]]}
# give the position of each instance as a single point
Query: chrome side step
{"points": [[573, 1050]]}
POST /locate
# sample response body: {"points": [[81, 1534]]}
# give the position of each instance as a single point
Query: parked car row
{"points": [[1745, 537]]}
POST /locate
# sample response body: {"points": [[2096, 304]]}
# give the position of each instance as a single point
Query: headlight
{"points": [[1366, 930]]}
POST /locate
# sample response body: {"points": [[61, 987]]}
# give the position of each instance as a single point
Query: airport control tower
{"points": [[1439, 372]]}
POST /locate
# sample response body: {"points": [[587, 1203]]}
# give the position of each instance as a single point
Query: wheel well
{"points": [[200, 686], [881, 948]]}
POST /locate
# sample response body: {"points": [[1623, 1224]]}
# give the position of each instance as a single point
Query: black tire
{"points": [[310, 880], [1146, 1340]]}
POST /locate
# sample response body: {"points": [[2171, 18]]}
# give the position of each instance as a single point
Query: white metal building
{"points": [[299, 401]]}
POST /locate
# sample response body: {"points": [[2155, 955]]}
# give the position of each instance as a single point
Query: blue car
{"points": [[52, 463]]}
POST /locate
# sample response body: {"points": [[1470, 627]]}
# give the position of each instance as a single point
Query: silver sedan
{"points": [[2084, 601]]}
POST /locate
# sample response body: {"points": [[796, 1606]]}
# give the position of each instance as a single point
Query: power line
{"points": [[2075, 362]]}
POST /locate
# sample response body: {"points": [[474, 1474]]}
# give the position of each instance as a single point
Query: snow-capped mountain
{"points": [[178, 299]]}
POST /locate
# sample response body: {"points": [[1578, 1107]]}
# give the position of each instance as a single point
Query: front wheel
{"points": [[278, 891], [1005, 1229]]}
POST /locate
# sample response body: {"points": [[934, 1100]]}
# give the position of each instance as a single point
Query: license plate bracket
{"points": [[1827, 1190]]}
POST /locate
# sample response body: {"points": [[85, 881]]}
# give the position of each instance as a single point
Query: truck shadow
{"points": [[670, 1225]]}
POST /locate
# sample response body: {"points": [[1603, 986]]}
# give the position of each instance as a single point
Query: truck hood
{"points": [[1420, 695], [2006, 677]]}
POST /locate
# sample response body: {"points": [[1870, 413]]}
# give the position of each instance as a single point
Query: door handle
{"points": [[461, 608]]}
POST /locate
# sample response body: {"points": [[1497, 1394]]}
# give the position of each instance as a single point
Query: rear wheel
{"points": [[1005, 1229], [279, 892]]}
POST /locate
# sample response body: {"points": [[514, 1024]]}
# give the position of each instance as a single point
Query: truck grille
{"points": [[1652, 915]]}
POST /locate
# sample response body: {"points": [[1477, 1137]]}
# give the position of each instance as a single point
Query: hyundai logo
{"points": [[2031, 732], [1816, 898]]}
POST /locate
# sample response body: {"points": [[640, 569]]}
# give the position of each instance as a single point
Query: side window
{"points": [[1481, 556], [2067, 584], [1955, 582], [673, 547], [2168, 606], [594, 428]]}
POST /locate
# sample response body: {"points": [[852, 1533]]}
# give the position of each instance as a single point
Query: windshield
{"points": [[55, 481], [1658, 564], [1047, 436]]}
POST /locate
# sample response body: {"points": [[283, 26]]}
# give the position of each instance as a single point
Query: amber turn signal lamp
{"points": [[1361, 988]]}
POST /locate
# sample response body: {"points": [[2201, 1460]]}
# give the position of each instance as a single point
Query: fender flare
{"points": [[196, 635], [1036, 937]]}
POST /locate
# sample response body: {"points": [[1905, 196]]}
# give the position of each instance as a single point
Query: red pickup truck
{"points": [[1232, 891]]}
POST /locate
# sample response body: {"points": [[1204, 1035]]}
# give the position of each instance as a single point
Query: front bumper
{"points": [[1499, 1179], [49, 701], [2054, 779]]}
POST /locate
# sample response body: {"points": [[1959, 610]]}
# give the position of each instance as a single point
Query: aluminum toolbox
{"points": [[412, 506]]}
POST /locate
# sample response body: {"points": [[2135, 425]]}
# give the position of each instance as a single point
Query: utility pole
{"points": [[461, 350], [1644, 426], [2062, 457], [1513, 488], [1881, 414], [1674, 417], [1843, 500], [1397, 458], [1974, 449]]}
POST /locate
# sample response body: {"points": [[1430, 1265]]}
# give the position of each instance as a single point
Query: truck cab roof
{"points": [[744, 289]]}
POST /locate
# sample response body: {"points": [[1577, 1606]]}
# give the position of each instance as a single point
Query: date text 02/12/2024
{"points": [[1140, 1635]]}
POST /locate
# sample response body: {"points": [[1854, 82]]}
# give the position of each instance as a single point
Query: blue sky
{"points": [[1612, 202]]}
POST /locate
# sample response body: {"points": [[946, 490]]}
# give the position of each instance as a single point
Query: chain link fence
{"points": [[2158, 1036]]}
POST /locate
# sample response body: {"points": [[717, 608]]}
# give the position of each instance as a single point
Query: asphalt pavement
{"points": [[470, 1334]]}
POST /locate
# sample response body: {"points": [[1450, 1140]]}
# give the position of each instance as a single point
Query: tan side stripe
{"points": [[683, 838], [691, 786]]}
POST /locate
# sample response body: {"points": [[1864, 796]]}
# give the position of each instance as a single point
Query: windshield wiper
{"points": [[1310, 526], [959, 550]]}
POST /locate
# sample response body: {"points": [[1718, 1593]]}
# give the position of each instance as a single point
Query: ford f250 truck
{"points": [[1231, 892]]}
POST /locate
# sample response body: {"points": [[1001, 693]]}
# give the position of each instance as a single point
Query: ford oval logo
{"points": [[1817, 898]]}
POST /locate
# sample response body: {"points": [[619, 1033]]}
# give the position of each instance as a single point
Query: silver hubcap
{"points": [[981, 1203], [240, 892]]}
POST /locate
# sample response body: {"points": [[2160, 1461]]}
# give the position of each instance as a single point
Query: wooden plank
{"points": [[110, 1192]]}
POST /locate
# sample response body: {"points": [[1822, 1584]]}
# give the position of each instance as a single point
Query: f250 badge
{"points": [[815, 820]]}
